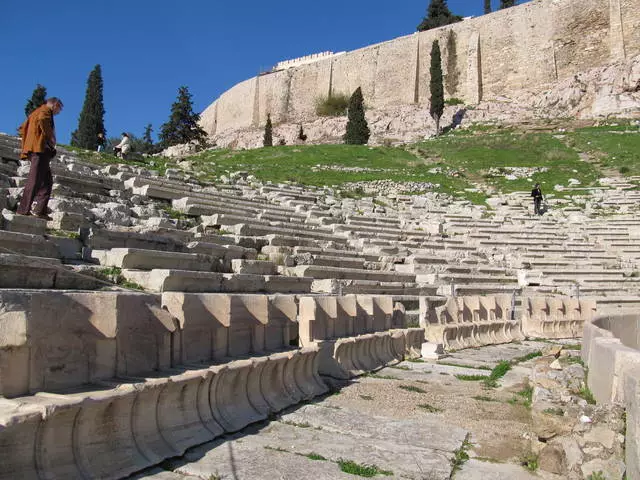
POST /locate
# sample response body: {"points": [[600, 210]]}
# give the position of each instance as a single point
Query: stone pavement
{"points": [[411, 421]]}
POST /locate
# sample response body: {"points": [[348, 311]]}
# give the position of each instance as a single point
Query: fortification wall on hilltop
{"points": [[529, 46]]}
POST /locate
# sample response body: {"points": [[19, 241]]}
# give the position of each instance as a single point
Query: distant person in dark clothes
{"points": [[38, 134], [101, 142], [536, 193]]}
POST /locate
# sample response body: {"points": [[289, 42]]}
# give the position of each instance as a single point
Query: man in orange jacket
{"points": [[38, 134]]}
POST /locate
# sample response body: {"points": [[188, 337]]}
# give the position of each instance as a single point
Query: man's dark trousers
{"points": [[39, 184]]}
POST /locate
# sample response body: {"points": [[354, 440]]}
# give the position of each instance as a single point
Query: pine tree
{"points": [[38, 97], [182, 126], [438, 14], [435, 85], [357, 129], [487, 6], [147, 141], [507, 3], [91, 121], [267, 141]]}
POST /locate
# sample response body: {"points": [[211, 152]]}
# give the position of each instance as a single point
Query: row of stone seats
{"points": [[120, 427], [556, 317], [355, 333], [471, 321], [128, 419], [56, 340]]}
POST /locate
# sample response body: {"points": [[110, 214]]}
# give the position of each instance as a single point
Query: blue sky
{"points": [[147, 49]]}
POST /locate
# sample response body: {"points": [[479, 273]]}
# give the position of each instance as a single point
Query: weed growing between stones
{"points": [[415, 360], [530, 462], [63, 233], [315, 456], [381, 377], [411, 388], [597, 476], [460, 456], [499, 371], [296, 424], [353, 468], [429, 408], [585, 393], [400, 367], [523, 397], [482, 398], [526, 357], [554, 411], [453, 364], [471, 378], [114, 274]]}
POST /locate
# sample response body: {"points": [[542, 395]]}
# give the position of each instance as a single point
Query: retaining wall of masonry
{"points": [[108, 383], [611, 350], [528, 46]]}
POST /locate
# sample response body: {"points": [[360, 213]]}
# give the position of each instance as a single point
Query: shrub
{"points": [[334, 105], [454, 101]]}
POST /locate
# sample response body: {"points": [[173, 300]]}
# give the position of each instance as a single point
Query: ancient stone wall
{"points": [[532, 45]]}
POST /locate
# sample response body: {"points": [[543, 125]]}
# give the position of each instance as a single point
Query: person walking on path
{"points": [[38, 135], [536, 193]]}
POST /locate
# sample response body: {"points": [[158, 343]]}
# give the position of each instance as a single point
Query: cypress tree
{"points": [[38, 98], [301, 135], [267, 141], [182, 126], [487, 6], [357, 129], [91, 121], [438, 14], [147, 141], [435, 85], [507, 3]]}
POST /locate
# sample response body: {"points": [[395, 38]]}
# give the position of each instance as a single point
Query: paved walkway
{"points": [[410, 421]]}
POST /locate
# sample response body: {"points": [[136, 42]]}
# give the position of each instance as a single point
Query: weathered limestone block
{"points": [[472, 321], [556, 317], [27, 244], [610, 361], [67, 221], [133, 258], [56, 340], [632, 404], [23, 224], [158, 280], [255, 267], [217, 326], [346, 358], [132, 424]]}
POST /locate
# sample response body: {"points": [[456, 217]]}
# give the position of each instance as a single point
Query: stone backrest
{"points": [[55, 340]]}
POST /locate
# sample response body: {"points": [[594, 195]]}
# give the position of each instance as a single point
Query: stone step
{"points": [[13, 222], [254, 230], [327, 261], [25, 272], [165, 280], [103, 239], [27, 244], [336, 253], [320, 272], [134, 258]]}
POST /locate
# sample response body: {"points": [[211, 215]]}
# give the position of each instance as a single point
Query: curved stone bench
{"points": [[611, 350], [119, 428]]}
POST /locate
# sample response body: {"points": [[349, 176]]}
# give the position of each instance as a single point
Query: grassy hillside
{"points": [[466, 163]]}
